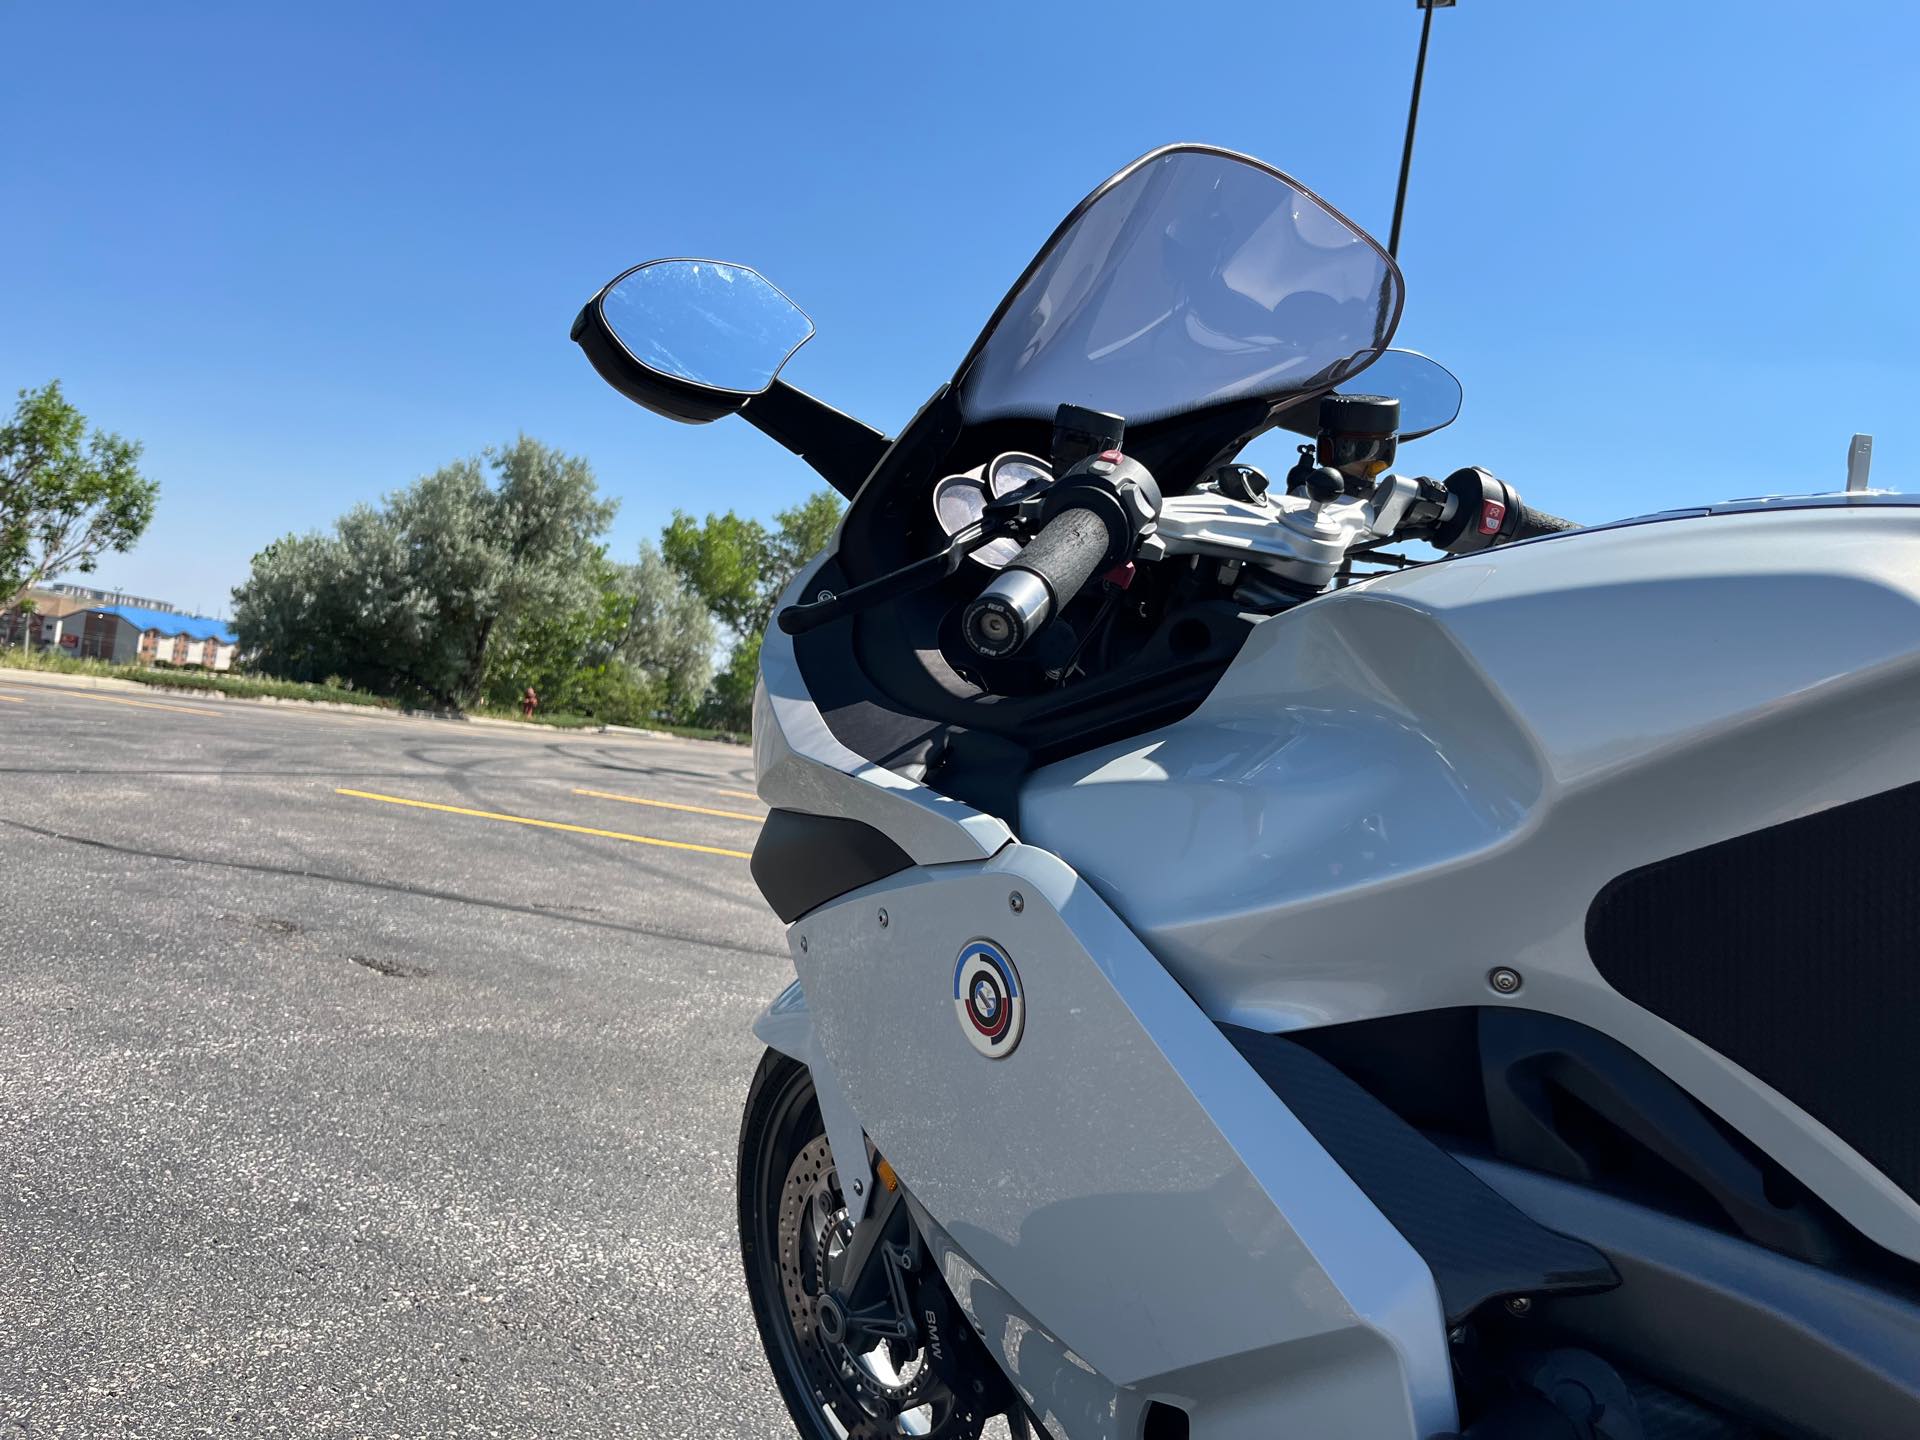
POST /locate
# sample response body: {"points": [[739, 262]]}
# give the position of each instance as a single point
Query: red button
{"points": [[1492, 516], [1114, 455]]}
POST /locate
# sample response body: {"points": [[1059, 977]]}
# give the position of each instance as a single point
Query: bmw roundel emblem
{"points": [[988, 999]]}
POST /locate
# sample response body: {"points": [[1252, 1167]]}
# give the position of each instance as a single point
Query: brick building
{"points": [[118, 634]]}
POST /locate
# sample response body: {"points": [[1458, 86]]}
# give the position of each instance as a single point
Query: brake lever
{"points": [[812, 614]]}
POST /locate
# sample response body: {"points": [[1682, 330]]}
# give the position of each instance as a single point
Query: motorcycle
{"points": [[1256, 981]]}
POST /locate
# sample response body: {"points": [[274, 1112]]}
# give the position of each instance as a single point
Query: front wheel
{"points": [[794, 1227]]}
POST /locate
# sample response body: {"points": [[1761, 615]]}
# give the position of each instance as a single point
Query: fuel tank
{"points": [[1399, 788]]}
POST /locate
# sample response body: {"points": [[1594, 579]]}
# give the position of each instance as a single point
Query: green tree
{"points": [[300, 620], [65, 496], [640, 649], [669, 635], [730, 701], [421, 593], [739, 569], [547, 649], [480, 557]]}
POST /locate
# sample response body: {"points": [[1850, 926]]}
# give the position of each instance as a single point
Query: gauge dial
{"points": [[960, 500], [1016, 470]]}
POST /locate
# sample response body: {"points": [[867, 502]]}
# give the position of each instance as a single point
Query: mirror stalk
{"points": [[841, 449]]}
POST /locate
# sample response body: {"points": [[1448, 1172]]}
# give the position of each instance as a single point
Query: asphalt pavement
{"points": [[337, 1099]]}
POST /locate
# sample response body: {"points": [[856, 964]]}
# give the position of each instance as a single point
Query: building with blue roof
{"points": [[122, 634], [163, 622]]}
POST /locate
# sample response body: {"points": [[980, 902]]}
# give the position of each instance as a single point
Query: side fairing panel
{"points": [[1149, 1212], [799, 765], [1400, 786]]}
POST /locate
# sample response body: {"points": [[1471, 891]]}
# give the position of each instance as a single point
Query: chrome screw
{"points": [[859, 1187], [883, 919], [1503, 980], [1519, 1305], [1016, 902], [803, 944]]}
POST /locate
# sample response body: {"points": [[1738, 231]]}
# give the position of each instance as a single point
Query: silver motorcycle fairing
{"points": [[1121, 1195], [798, 764], [1398, 786], [1484, 752], [1363, 1355]]}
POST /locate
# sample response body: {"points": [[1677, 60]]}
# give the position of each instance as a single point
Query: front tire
{"points": [[793, 1222]]}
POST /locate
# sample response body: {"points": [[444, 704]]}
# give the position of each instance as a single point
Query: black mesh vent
{"points": [[1794, 952]]}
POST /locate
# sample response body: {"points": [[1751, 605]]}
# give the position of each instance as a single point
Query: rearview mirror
{"points": [[1428, 393], [691, 339]]}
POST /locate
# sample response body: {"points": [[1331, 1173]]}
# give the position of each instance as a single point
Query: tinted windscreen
{"points": [[1194, 278]]}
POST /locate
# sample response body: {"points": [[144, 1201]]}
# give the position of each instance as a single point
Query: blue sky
{"points": [[309, 252]]}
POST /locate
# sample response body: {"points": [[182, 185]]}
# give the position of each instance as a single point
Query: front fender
{"points": [[787, 1026]]}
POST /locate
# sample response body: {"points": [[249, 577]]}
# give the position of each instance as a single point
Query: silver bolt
{"points": [[859, 1187], [823, 596], [1016, 902], [803, 944], [1519, 1305], [1503, 980], [1457, 1335], [883, 919]]}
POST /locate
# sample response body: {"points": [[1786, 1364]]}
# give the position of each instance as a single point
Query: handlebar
{"points": [[1095, 515], [1024, 598], [828, 607], [1483, 510], [1535, 523]]}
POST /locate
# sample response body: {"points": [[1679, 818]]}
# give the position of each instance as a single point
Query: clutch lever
{"points": [[811, 615]]}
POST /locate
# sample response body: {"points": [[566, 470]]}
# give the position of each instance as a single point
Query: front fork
{"points": [[887, 1265], [885, 1288]]}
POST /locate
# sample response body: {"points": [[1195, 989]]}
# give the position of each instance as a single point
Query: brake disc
{"points": [[891, 1389]]}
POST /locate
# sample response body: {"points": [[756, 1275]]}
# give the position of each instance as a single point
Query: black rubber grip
{"points": [[1066, 553], [1534, 522]]}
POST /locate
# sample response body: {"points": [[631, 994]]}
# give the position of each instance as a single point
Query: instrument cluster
{"points": [[960, 500]]}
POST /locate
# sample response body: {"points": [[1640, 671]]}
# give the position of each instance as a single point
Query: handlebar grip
{"points": [[1066, 553], [1024, 598], [1534, 522], [1485, 510]]}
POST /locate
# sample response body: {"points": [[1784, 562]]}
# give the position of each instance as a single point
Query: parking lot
{"points": [[368, 1076]]}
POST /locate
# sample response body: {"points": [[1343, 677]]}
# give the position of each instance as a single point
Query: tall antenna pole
{"points": [[1413, 119]]}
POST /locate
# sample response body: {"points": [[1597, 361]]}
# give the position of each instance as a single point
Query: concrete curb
{"points": [[55, 680]]}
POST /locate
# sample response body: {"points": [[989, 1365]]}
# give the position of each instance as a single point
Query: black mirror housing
{"points": [[649, 388], [691, 339], [694, 340]]}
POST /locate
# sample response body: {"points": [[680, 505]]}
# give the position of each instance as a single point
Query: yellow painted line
{"points": [[117, 700], [670, 805], [545, 824], [738, 794], [12, 700]]}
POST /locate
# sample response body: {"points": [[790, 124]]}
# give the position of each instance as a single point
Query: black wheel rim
{"points": [[799, 1213]]}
